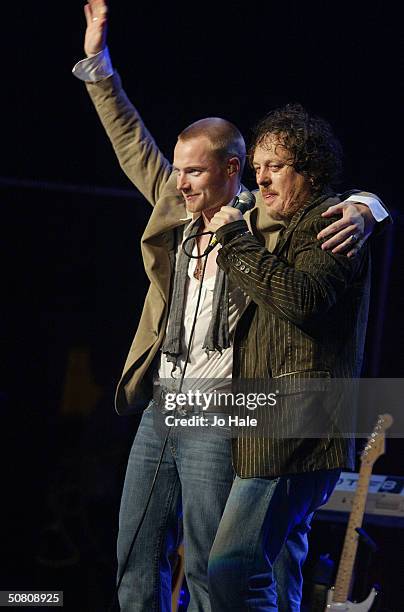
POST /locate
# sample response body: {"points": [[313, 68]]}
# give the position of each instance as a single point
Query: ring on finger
{"points": [[95, 18], [353, 238]]}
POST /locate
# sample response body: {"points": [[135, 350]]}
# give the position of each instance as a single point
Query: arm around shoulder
{"points": [[300, 289]]}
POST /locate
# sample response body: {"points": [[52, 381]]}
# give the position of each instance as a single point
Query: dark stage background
{"points": [[72, 277]]}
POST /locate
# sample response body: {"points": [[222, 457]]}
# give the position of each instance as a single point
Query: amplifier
{"points": [[385, 497]]}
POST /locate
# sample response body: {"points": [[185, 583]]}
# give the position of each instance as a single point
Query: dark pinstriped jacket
{"points": [[307, 319]]}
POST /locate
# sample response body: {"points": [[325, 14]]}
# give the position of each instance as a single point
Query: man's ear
{"points": [[233, 166]]}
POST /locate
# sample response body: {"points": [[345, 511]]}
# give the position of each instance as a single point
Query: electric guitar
{"points": [[337, 598]]}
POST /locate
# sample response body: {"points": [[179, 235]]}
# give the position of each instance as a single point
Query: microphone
{"points": [[243, 202]]}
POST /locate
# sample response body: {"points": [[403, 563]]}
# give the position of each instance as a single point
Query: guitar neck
{"points": [[345, 568]]}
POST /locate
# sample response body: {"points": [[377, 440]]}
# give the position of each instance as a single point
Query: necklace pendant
{"points": [[198, 270]]}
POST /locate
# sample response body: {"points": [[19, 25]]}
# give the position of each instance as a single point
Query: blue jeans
{"points": [[194, 482], [261, 544]]}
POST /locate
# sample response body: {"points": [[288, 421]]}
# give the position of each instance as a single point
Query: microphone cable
{"points": [[156, 473]]}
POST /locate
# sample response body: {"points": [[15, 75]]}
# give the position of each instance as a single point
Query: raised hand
{"points": [[96, 12]]}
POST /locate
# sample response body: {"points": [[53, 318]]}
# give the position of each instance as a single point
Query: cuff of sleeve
{"points": [[375, 207], [229, 231], [95, 68]]}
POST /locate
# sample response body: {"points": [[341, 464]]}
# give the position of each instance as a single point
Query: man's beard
{"points": [[286, 215]]}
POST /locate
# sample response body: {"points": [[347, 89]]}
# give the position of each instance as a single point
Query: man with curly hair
{"points": [[306, 320]]}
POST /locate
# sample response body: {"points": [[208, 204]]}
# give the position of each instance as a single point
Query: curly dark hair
{"points": [[314, 150]]}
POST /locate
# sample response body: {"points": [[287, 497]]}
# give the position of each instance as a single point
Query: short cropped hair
{"points": [[225, 138], [314, 150]]}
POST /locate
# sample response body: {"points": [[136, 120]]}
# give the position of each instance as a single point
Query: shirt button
{"points": [[238, 263], [242, 267], [247, 270]]}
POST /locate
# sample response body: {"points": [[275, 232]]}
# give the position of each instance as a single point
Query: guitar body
{"points": [[340, 592], [363, 606]]}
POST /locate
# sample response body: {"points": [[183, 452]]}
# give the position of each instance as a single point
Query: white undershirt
{"points": [[202, 367]]}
